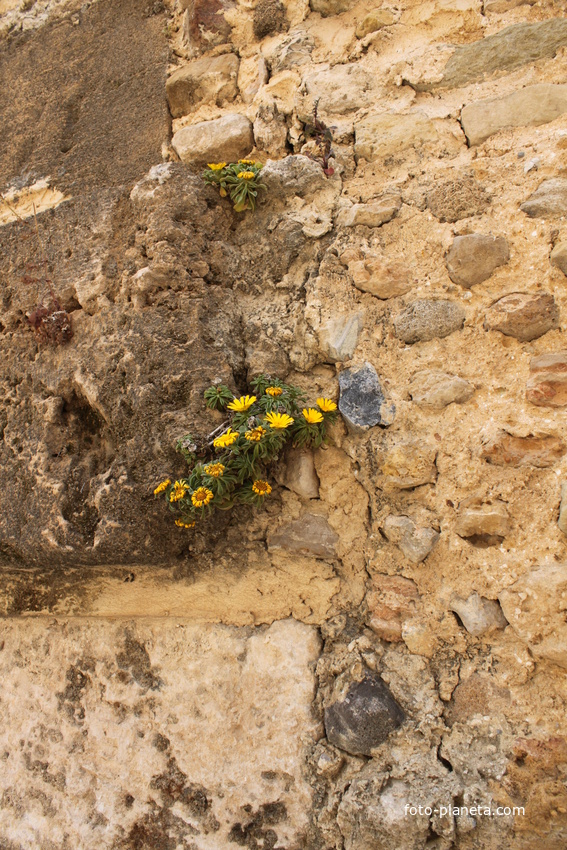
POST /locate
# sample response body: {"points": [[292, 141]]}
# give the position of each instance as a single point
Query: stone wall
{"points": [[390, 631]]}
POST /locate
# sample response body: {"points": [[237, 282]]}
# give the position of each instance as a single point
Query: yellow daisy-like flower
{"points": [[261, 488], [179, 490], [312, 416], [246, 162], [163, 486], [243, 403], [215, 470], [246, 175], [274, 391], [182, 524], [216, 166], [226, 440], [201, 497], [326, 404], [256, 434], [279, 420]]}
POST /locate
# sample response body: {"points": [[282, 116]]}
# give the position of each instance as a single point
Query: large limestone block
{"points": [[309, 535], [471, 259], [483, 523], [331, 7], [535, 606], [523, 315], [338, 336], [512, 47], [376, 274], [407, 465], [212, 80], [414, 541], [381, 136], [228, 138], [390, 602], [373, 214], [529, 107], [135, 731], [339, 90], [547, 384], [478, 614], [205, 24], [549, 199]]}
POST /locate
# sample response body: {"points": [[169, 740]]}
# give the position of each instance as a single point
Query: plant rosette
{"points": [[241, 450], [240, 180]]}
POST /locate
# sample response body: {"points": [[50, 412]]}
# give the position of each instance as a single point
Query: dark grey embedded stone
{"points": [[308, 535], [472, 258], [549, 199], [427, 319], [364, 717], [512, 47], [361, 399]]}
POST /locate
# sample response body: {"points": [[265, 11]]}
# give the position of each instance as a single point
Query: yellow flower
{"points": [[246, 175], [202, 496], [215, 470], [182, 524], [216, 166], [261, 488], [246, 162], [312, 416], [279, 420], [274, 391], [256, 434], [326, 404], [163, 486], [243, 403], [226, 440], [179, 490]]}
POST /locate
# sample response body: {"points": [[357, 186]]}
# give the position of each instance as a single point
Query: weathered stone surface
{"points": [[338, 336], [428, 319], [300, 475], [205, 24], [309, 535], [374, 213], [478, 615], [331, 7], [270, 130], [375, 274], [390, 602], [483, 523], [362, 715], [547, 384], [549, 199], [535, 608], [339, 90], [496, 6], [169, 745], [295, 49], [504, 449], [374, 21], [211, 79], [372, 812], [562, 521], [361, 399], [408, 465], [269, 17], [522, 315], [435, 390], [415, 542], [381, 136], [558, 257], [529, 107], [472, 258], [84, 104], [294, 175], [458, 199], [227, 138], [512, 47]]}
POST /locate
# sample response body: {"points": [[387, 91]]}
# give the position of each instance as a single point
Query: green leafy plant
{"points": [[240, 180], [234, 459]]}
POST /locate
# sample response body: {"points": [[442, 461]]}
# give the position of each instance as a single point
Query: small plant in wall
{"points": [[240, 180], [236, 456]]}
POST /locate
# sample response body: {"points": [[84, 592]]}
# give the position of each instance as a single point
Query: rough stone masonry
{"points": [[388, 636]]}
